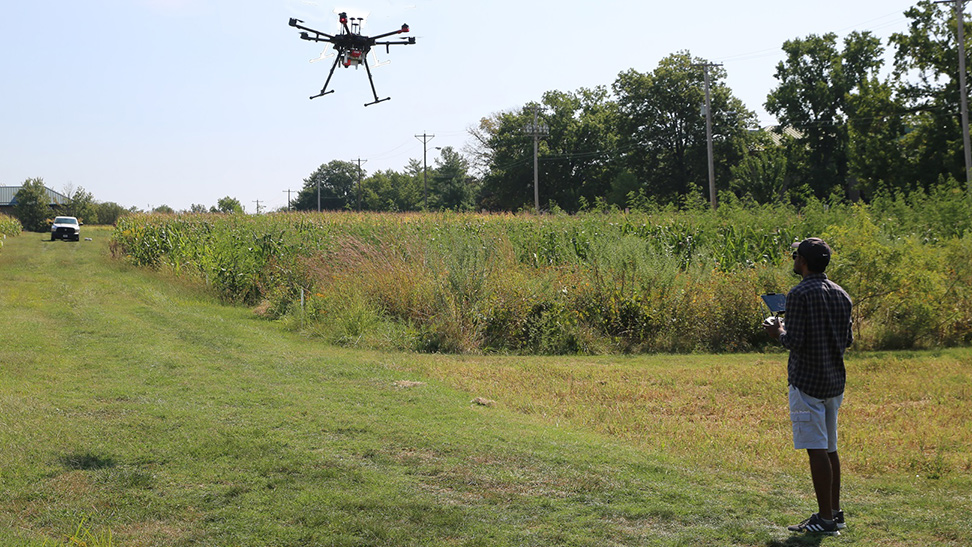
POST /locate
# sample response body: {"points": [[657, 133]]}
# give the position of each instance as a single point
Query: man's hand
{"points": [[773, 327]]}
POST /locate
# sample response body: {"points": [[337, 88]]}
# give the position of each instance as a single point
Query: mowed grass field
{"points": [[136, 410]]}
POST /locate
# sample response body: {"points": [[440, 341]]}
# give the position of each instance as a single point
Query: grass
{"points": [[136, 407], [684, 405]]}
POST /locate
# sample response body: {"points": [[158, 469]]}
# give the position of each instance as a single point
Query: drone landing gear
{"points": [[378, 101], [372, 81], [324, 90]]}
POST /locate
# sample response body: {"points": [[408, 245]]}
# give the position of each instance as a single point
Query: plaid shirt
{"points": [[817, 331]]}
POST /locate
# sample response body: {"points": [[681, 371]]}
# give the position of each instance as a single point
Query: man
{"points": [[817, 330]]}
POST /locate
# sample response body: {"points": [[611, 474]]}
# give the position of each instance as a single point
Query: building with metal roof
{"points": [[778, 133], [8, 198]]}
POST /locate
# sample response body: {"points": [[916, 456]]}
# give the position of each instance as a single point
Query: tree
{"points": [[508, 154], [332, 186], [576, 158], [228, 205], [32, 205], [762, 174], [453, 188], [926, 64], [81, 204], [876, 140], [110, 212], [623, 186], [579, 163], [392, 191], [814, 97], [662, 129]]}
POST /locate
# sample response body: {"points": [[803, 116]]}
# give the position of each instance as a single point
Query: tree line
{"points": [[34, 211], [33, 208], [847, 130]]}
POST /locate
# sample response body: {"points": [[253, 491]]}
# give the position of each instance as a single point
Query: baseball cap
{"points": [[815, 250]]}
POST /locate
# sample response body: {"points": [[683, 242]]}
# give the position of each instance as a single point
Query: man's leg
{"points": [[822, 473], [835, 483]]}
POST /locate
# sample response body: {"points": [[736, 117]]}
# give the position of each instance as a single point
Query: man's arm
{"points": [[850, 323], [792, 335]]}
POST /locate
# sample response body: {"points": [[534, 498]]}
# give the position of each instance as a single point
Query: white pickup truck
{"points": [[66, 228]]}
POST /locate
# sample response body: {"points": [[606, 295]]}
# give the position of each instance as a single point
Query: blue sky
{"points": [[151, 102]]}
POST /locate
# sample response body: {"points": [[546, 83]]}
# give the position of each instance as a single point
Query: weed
{"points": [[83, 536]]}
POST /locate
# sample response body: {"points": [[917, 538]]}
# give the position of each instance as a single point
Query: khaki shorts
{"points": [[814, 421]]}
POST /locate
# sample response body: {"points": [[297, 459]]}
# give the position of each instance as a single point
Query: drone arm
{"points": [[319, 37], [305, 36], [388, 45], [403, 42], [392, 33]]}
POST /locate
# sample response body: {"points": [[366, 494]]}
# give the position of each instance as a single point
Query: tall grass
{"points": [[593, 283]]}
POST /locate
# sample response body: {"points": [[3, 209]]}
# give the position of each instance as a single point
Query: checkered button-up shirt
{"points": [[817, 331]]}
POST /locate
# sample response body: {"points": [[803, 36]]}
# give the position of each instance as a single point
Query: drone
{"points": [[352, 47]]}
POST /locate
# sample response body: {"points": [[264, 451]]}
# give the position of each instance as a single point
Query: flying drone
{"points": [[352, 47]]}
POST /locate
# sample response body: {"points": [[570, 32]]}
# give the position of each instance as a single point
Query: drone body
{"points": [[352, 47]]}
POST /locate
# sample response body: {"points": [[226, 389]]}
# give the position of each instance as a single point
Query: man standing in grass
{"points": [[817, 331]]}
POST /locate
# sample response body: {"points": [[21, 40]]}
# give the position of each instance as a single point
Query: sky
{"points": [[178, 102]]}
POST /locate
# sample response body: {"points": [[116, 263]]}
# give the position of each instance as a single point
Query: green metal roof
{"points": [[7, 194]]}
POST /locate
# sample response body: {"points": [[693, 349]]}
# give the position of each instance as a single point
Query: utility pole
{"points": [[359, 161], [288, 190], [258, 205], [964, 93], [425, 138], [708, 134], [959, 7], [536, 131]]}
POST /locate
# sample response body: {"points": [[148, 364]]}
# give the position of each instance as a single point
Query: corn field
{"points": [[9, 227], [598, 282]]}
